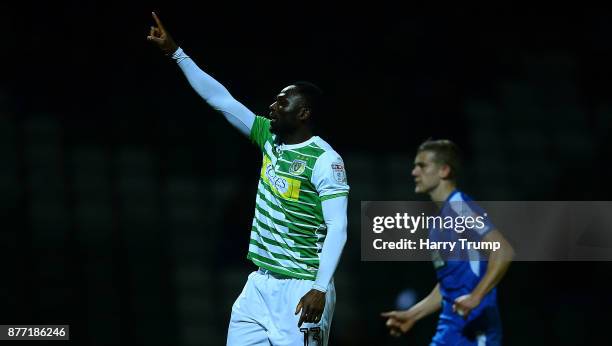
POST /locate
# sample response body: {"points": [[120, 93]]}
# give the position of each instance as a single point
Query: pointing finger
{"points": [[157, 21]]}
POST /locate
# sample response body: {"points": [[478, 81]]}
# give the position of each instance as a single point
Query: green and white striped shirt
{"points": [[288, 228]]}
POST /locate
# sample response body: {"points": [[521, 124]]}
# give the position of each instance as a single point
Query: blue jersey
{"points": [[459, 271]]}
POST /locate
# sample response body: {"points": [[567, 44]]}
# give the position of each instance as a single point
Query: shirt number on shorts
{"points": [[314, 333]]}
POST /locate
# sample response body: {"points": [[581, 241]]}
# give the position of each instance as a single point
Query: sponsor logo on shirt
{"points": [[284, 187], [277, 181]]}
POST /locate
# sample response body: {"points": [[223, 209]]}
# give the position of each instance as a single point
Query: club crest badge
{"points": [[339, 172], [297, 167]]}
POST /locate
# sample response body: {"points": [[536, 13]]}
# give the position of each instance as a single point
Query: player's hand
{"points": [[161, 38], [311, 305], [465, 304], [399, 322]]}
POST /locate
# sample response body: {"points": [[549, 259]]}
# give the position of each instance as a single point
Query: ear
{"points": [[444, 172], [304, 114]]}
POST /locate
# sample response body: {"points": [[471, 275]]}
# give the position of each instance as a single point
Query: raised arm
{"points": [[215, 94]]}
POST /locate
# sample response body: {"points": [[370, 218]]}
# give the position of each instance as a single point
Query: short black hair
{"points": [[312, 94], [445, 152]]}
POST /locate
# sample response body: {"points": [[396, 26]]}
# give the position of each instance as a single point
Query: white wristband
{"points": [[319, 288], [179, 55]]}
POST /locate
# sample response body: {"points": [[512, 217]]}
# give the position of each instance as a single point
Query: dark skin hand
{"points": [[311, 305], [161, 38]]}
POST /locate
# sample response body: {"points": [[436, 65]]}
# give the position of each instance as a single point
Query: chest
{"points": [[289, 174]]}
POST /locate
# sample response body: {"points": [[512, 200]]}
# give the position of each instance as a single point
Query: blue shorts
{"points": [[483, 327]]}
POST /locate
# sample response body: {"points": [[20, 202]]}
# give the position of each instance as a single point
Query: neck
{"points": [[442, 191], [299, 136]]}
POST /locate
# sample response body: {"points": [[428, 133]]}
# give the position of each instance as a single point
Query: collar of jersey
{"points": [[299, 145], [455, 191]]}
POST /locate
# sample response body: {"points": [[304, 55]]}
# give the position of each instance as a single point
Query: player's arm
{"points": [[312, 303], [215, 94], [498, 263], [400, 322], [334, 214], [330, 181]]}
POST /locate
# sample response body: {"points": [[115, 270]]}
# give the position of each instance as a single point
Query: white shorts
{"points": [[264, 313]]}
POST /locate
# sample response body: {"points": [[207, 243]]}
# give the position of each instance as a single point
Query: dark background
{"points": [[127, 202]]}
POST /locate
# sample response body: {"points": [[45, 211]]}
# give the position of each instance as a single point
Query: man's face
{"points": [[285, 112], [427, 172]]}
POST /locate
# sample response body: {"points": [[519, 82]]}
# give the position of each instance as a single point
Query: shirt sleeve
{"points": [[471, 211], [329, 176], [215, 94], [334, 214], [260, 132]]}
